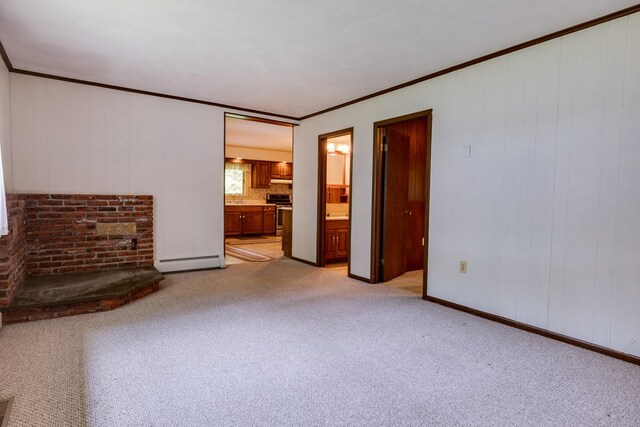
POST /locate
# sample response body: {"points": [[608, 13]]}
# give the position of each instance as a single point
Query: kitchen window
{"points": [[235, 178]]}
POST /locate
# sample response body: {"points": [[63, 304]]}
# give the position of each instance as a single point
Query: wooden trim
{"points": [[539, 331], [350, 206], [261, 120], [148, 93], [304, 261], [362, 279], [427, 205], [322, 195], [376, 204], [583, 26], [5, 58], [246, 161]]}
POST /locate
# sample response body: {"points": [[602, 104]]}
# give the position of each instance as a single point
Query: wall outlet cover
{"points": [[463, 267]]}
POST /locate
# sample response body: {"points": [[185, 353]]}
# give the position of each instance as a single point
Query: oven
{"points": [[281, 201], [279, 216]]}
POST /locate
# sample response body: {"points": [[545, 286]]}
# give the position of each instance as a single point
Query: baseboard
{"points": [[539, 331], [362, 279], [190, 264], [304, 261]]}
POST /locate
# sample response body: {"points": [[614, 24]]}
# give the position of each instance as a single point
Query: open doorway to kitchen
{"points": [[400, 213], [258, 189], [334, 200]]}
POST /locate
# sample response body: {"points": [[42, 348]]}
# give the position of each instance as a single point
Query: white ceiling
{"points": [[251, 134], [291, 57]]}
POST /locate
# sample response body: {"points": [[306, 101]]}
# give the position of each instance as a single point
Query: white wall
{"points": [[71, 138], [546, 211], [5, 126]]}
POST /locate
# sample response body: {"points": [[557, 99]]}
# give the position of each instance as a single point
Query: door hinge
{"points": [[381, 261], [423, 241], [385, 146]]}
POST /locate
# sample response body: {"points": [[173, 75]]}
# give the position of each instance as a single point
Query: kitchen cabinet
{"points": [[336, 241], [243, 220], [337, 194], [232, 223], [269, 220], [281, 170], [261, 175]]}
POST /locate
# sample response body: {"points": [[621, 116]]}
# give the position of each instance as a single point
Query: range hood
{"points": [[281, 181]]}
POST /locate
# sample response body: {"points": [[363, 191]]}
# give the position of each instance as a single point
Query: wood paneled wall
{"points": [[70, 138], [546, 209]]}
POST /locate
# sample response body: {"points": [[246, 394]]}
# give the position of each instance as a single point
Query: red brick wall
{"points": [[13, 267], [62, 232]]}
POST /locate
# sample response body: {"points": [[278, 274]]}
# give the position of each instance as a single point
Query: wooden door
{"points": [[232, 223], [417, 131], [395, 203], [342, 243], [252, 222]]}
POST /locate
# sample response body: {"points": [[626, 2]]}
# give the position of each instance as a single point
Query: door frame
{"points": [[322, 194], [376, 205], [232, 115]]}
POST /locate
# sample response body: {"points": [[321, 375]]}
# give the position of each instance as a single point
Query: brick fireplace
{"points": [[52, 234]]}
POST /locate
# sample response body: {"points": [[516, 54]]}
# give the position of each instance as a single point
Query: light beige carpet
{"points": [[283, 343]]}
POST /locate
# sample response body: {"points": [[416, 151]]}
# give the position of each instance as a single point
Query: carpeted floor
{"points": [[283, 343]]}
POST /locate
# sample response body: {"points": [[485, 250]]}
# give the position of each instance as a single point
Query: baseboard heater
{"points": [[194, 263]]}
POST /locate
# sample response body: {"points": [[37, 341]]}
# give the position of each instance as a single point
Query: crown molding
{"points": [[615, 15]]}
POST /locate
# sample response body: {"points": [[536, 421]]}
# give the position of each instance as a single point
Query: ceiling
{"points": [[252, 134], [288, 57]]}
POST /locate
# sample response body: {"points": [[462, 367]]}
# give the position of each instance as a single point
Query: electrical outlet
{"points": [[463, 267]]}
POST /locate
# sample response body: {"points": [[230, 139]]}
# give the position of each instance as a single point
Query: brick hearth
{"points": [[53, 237]]}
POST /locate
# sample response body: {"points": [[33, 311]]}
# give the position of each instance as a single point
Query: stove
{"points": [[281, 201]]}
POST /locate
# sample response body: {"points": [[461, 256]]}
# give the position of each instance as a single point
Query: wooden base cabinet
{"points": [[336, 240], [241, 220], [269, 220]]}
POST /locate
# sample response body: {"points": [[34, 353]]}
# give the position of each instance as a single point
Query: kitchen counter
{"points": [[337, 218]]}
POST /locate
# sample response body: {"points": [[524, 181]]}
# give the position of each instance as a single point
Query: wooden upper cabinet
{"points": [[261, 175], [287, 170], [282, 170]]}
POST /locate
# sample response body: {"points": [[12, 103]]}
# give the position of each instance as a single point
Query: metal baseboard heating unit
{"points": [[5, 411], [195, 263]]}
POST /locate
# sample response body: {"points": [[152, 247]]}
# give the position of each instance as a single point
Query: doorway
{"points": [[335, 161], [400, 225], [258, 192]]}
